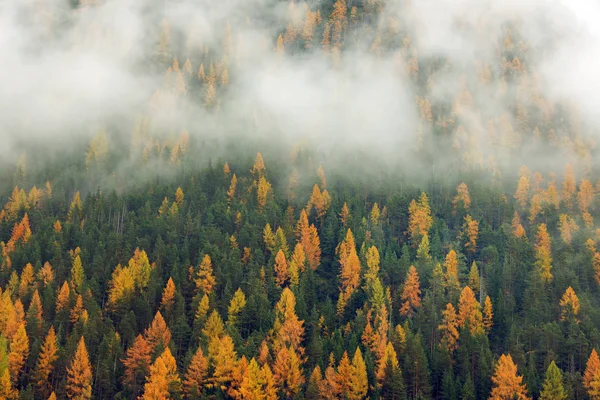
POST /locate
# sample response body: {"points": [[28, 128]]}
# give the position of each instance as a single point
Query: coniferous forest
{"points": [[304, 200]]}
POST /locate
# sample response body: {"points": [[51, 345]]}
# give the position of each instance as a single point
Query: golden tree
{"points": [[411, 294], [543, 253], [507, 384], [282, 274], [420, 219], [287, 372], [462, 198], [137, 365], [45, 363], [163, 381], [488, 314], [569, 305], [349, 270], [79, 374], [205, 280], [449, 328], [591, 376], [196, 374], [469, 312], [19, 351]]}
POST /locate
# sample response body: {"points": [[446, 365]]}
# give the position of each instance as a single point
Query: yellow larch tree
{"points": [[507, 384], [205, 279], [411, 293], [349, 270], [569, 305], [543, 254], [462, 198], [449, 328], [79, 374]]}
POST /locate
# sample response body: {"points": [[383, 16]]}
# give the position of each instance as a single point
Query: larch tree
{"points": [[282, 274], [569, 185], [591, 376], [288, 329], [553, 388], [359, 382], [474, 282], [168, 297], [19, 351], [462, 198], [420, 219], [569, 305], [287, 372], [345, 214], [158, 334], [411, 293], [517, 229], [543, 254], [449, 328], [45, 363], [349, 270], [471, 232], [451, 274], [164, 381], [205, 279], [231, 190], [223, 358], [137, 365], [79, 374], [488, 314], [522, 193], [469, 312], [507, 384], [263, 190], [195, 375], [77, 274], [236, 305]]}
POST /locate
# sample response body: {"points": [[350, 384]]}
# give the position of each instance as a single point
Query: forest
{"points": [[248, 230]]}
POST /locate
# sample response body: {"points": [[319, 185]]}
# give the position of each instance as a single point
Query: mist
{"points": [[70, 71]]}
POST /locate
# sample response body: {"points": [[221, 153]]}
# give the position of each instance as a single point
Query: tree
{"points": [[507, 384], [19, 351], [359, 383], [282, 274], [158, 334], [488, 314], [569, 305], [471, 231], [77, 274], [449, 327], [288, 329], [79, 374], [553, 387], [137, 365], [287, 372], [411, 294], [469, 312], [63, 298], [236, 305], [543, 254], [196, 374], [474, 283], [349, 270], [45, 363], [223, 358], [263, 190], [462, 198], [420, 219], [231, 190], [164, 381], [591, 376], [205, 280], [451, 275], [522, 193], [168, 296]]}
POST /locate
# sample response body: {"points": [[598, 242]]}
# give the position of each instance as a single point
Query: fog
{"points": [[69, 71]]}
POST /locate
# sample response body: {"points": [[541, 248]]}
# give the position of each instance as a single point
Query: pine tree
{"points": [[553, 386], [79, 374]]}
